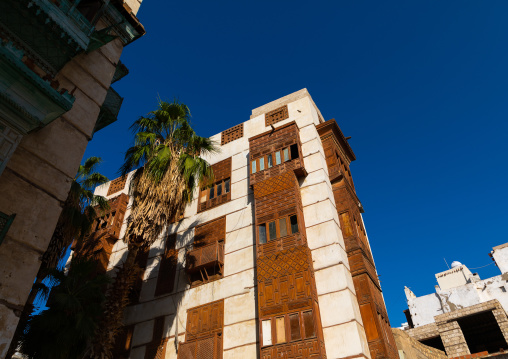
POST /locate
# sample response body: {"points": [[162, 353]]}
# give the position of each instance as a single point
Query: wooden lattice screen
{"points": [[231, 134], [276, 115], [117, 185]]}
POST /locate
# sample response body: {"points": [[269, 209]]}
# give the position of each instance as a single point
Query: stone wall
{"points": [[35, 183], [411, 348]]}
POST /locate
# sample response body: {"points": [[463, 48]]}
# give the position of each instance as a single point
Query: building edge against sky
{"points": [[258, 265], [57, 62]]}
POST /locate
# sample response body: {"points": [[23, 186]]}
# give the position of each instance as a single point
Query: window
{"points": [[216, 190], [262, 233], [277, 158], [289, 327], [294, 224], [294, 151], [282, 227], [282, 155], [266, 327], [280, 330], [278, 228], [294, 325], [272, 230], [308, 323]]}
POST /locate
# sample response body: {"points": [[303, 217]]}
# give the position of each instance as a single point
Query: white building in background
{"points": [[466, 314]]}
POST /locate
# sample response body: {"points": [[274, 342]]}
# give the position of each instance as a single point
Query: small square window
{"points": [[262, 233], [294, 151], [280, 330], [286, 154], [272, 230], [294, 224], [212, 192], [261, 163], [294, 324], [266, 327], [254, 166], [282, 227], [270, 161], [277, 158], [308, 322], [226, 186], [219, 189]]}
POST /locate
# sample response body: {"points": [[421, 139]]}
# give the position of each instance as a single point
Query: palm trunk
{"points": [[116, 301]]}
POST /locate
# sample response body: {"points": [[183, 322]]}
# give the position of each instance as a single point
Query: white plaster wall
{"points": [[423, 309], [500, 254]]}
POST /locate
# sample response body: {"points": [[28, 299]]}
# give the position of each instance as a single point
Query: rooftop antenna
{"points": [[446, 263]]}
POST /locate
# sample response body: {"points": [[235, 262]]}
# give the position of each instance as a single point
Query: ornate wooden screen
{"points": [[276, 115], [231, 134], [219, 192], [205, 325], [368, 291], [289, 319], [117, 185]]}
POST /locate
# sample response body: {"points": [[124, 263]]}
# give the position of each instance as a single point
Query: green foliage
{"points": [[164, 136], [64, 330]]}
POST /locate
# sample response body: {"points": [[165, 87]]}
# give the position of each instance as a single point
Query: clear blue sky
{"points": [[421, 86]]}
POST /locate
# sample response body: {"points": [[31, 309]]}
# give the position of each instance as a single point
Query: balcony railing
{"points": [[206, 256]]}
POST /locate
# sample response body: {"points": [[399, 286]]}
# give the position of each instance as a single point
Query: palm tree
{"points": [[75, 222], [64, 329], [166, 154]]}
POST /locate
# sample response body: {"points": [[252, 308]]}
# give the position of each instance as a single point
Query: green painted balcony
{"points": [[27, 102], [52, 32], [109, 109]]}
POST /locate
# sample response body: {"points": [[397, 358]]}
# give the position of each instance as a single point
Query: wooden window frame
{"points": [[289, 231], [287, 327], [255, 165], [207, 190]]}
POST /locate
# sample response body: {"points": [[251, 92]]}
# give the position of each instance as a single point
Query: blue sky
{"points": [[421, 86]]}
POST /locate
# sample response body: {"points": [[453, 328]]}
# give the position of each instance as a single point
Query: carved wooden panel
{"points": [[231, 134], [205, 320], [293, 260], [274, 184], [117, 185], [205, 348], [276, 115], [307, 349]]}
